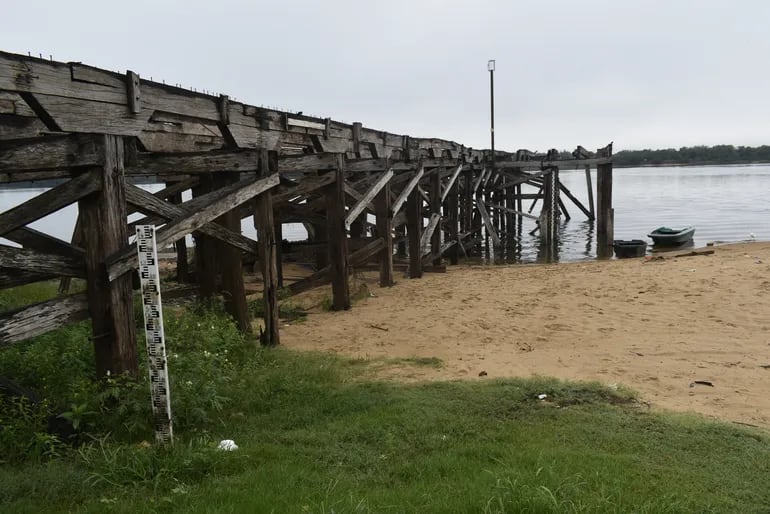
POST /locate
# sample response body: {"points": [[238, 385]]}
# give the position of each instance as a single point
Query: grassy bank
{"points": [[317, 435]]}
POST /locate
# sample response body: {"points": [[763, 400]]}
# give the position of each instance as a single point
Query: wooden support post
{"points": [[268, 259], [414, 230], [605, 215], [477, 220], [338, 241], [590, 188], [77, 239], [453, 222], [182, 266], [467, 202], [320, 234], [110, 304], [278, 248], [435, 209], [385, 231], [205, 250], [230, 264], [401, 245], [550, 216], [510, 203]]}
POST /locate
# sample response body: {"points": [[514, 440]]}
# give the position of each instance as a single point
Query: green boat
{"points": [[664, 236]]}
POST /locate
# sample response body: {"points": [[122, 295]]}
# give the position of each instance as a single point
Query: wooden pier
{"points": [[97, 132]]}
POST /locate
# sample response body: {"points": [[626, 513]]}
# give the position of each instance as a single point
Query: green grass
{"points": [[317, 435], [33, 293], [424, 362], [312, 439]]}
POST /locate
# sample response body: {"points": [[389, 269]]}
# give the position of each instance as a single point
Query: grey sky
{"points": [[641, 73]]}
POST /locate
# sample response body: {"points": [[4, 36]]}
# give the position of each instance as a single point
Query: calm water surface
{"points": [[724, 203]]}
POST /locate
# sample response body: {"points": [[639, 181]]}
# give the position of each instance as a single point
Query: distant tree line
{"points": [[719, 154]]}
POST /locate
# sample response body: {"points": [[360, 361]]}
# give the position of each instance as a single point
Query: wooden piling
{"points": [[452, 204], [265, 224], [435, 209], [338, 241], [110, 304], [229, 263], [605, 215], [382, 204], [590, 190], [205, 249], [414, 231], [278, 228]]}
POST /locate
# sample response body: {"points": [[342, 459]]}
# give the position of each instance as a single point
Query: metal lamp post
{"points": [[491, 68]]}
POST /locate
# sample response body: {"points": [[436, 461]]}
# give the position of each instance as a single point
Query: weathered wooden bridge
{"points": [[96, 131]]}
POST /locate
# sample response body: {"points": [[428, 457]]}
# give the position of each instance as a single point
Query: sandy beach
{"points": [[656, 326]]}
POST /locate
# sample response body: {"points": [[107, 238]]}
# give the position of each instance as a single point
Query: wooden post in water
{"points": [[265, 224], [385, 231], [590, 192], [105, 232], [414, 231], [338, 240], [605, 215], [228, 259]]}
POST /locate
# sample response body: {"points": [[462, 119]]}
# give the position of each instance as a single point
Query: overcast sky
{"points": [[642, 73]]}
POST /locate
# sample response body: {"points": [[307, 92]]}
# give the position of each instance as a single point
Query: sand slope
{"points": [[655, 326]]}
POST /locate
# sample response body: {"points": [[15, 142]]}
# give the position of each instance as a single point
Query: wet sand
{"points": [[655, 326]]}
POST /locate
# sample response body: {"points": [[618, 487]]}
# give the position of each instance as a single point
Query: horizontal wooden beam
{"points": [[512, 211], [48, 153], [41, 263], [307, 163], [199, 162], [561, 164], [35, 320], [17, 277]]}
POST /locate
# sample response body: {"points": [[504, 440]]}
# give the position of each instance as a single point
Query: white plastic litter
{"points": [[227, 445], [542, 396]]}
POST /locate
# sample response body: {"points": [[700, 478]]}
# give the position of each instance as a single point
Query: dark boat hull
{"points": [[669, 237], [631, 248]]}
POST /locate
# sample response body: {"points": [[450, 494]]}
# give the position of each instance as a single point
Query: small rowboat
{"points": [[629, 248], [665, 236]]}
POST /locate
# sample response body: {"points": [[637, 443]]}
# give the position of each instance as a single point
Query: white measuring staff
{"points": [[157, 364]]}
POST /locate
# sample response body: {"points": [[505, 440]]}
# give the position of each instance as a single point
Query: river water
{"points": [[724, 203]]}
